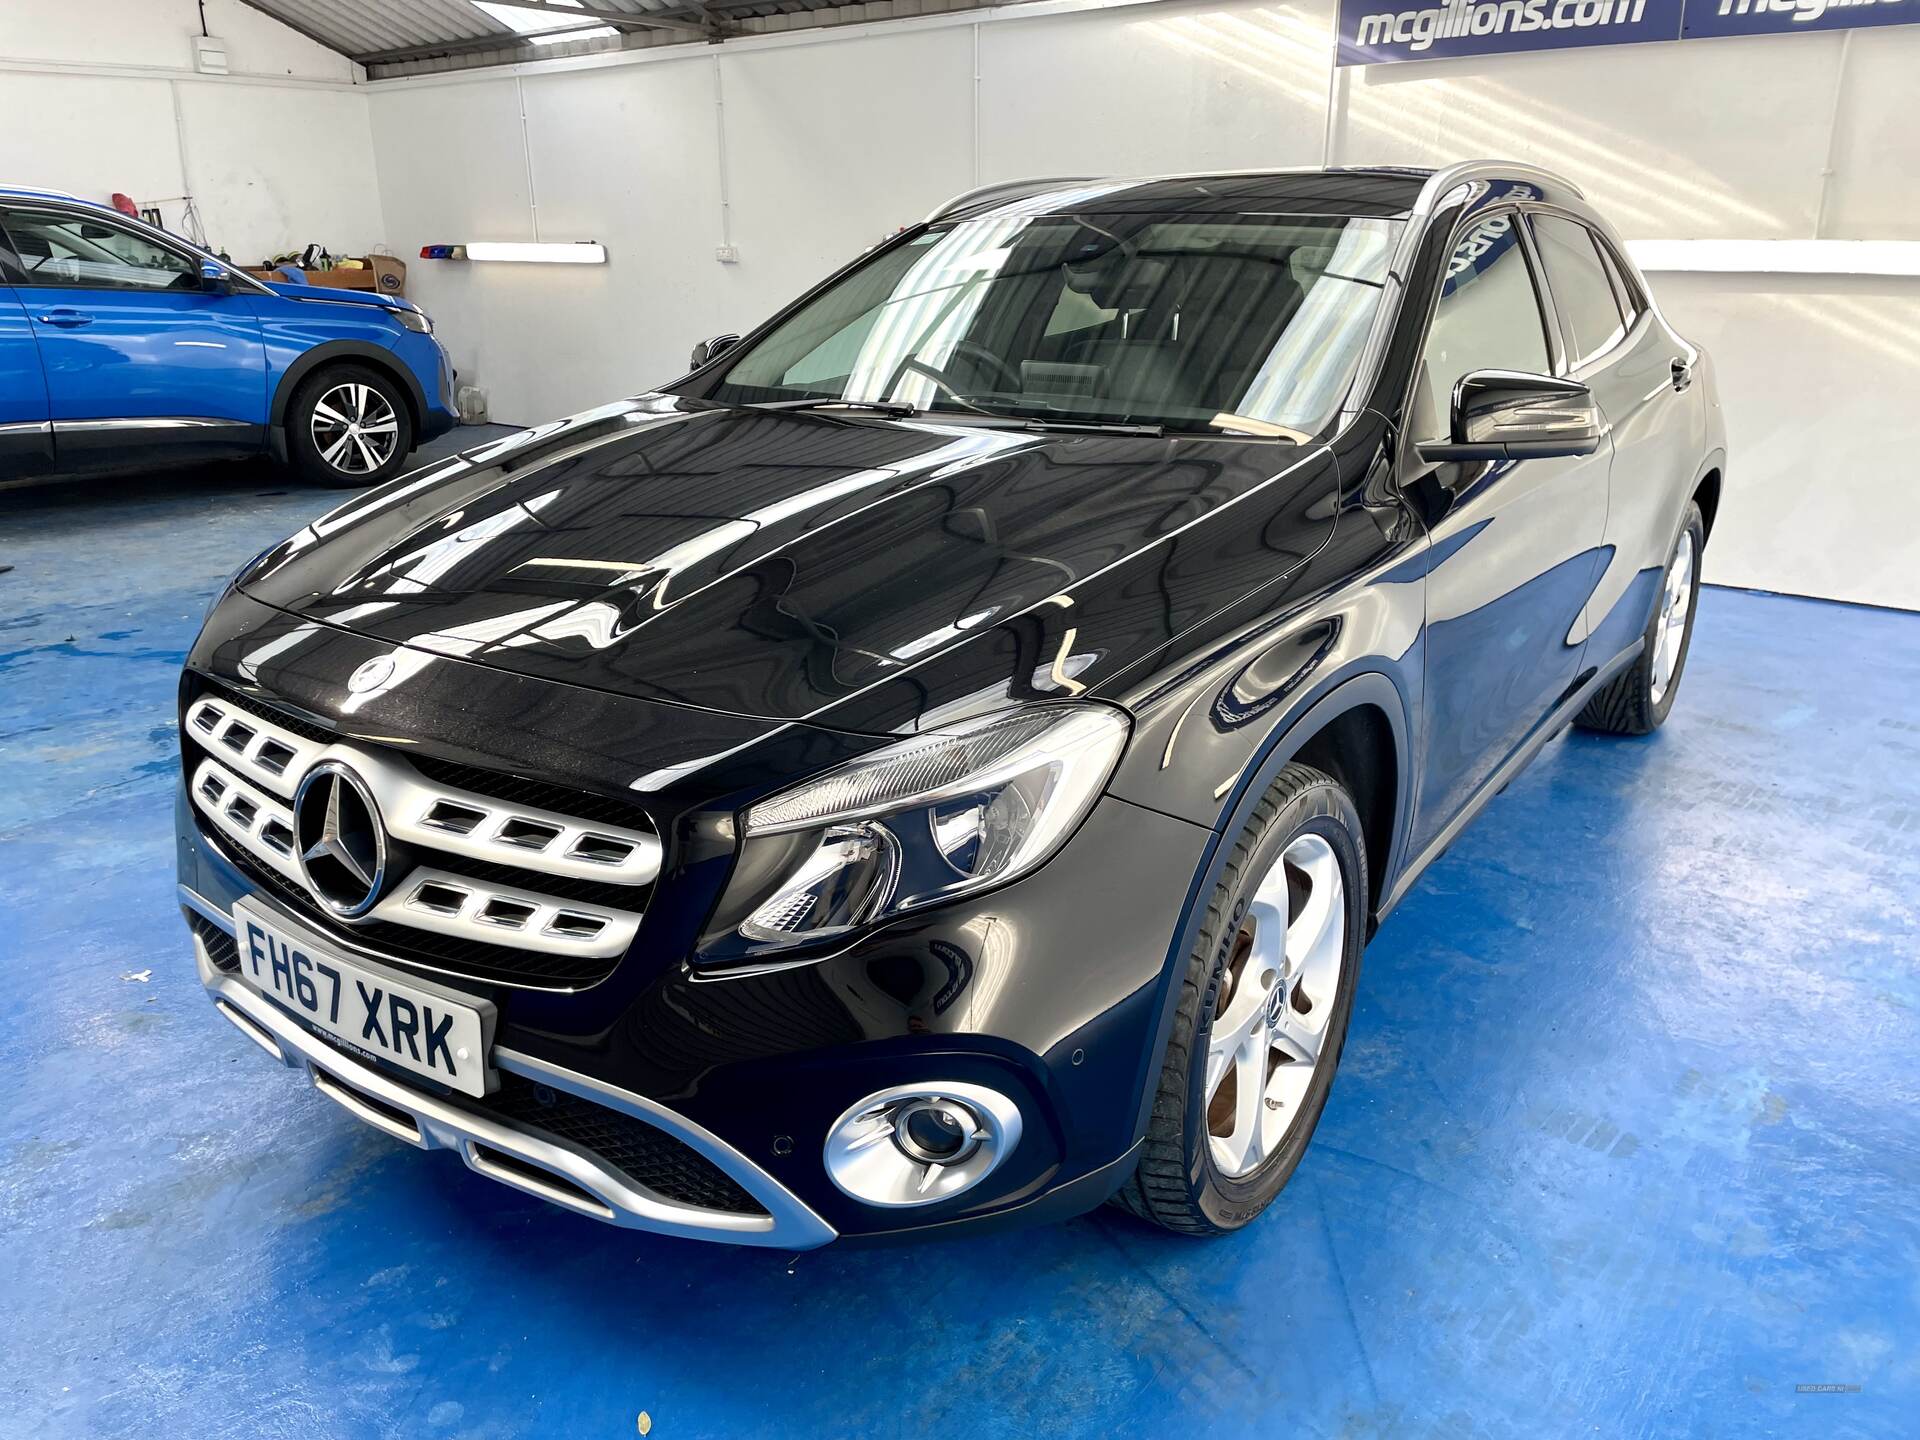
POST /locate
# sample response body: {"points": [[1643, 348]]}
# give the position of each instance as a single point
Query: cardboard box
{"points": [[383, 273]]}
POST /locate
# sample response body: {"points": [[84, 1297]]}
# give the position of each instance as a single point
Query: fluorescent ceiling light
{"points": [[543, 29], [583, 253]]}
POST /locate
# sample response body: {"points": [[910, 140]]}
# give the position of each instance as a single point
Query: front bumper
{"points": [[543, 1165], [1052, 991]]}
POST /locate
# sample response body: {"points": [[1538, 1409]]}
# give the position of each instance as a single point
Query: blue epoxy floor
{"points": [[1627, 1142]]}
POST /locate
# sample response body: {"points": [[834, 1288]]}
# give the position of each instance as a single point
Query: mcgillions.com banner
{"points": [[1377, 32]]}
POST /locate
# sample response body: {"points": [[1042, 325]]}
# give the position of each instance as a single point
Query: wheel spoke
{"points": [[1243, 1142], [1268, 1038], [359, 402], [1317, 935], [366, 454], [380, 427], [1676, 607], [1244, 1018], [324, 411], [332, 454], [1296, 1040]]}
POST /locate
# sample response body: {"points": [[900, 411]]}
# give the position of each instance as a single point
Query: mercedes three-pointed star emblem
{"points": [[339, 841]]}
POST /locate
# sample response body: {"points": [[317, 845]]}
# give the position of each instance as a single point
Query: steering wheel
{"points": [[937, 376], [981, 355], [970, 350]]}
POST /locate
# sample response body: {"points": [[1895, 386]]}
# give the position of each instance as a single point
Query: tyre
{"points": [[1636, 700], [348, 425], [1262, 1013]]}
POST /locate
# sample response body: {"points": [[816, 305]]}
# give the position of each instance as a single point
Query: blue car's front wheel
{"points": [[348, 426]]}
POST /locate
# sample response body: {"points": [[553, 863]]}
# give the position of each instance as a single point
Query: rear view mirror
{"points": [[215, 278], [1512, 415], [713, 349]]}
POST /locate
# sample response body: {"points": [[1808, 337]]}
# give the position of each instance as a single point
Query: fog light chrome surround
{"points": [[871, 1155]]}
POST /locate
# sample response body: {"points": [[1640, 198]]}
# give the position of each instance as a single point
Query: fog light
{"points": [[917, 1144], [936, 1132]]}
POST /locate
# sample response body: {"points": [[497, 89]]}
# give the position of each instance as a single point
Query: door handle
{"points": [[66, 319], [1682, 372]]}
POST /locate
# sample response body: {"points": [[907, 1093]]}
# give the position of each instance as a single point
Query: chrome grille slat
{"points": [[267, 755], [245, 785], [418, 810], [215, 791]]}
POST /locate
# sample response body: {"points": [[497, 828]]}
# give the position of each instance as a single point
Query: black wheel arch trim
{"points": [[335, 352], [1368, 688], [1714, 464]]}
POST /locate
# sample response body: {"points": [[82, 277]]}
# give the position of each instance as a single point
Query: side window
{"points": [[1632, 303], [1581, 290], [76, 253], [1488, 318]]}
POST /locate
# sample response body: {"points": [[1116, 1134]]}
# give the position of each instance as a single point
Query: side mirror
{"points": [[1511, 415], [713, 349], [215, 278]]}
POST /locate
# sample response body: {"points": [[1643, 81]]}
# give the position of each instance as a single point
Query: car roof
{"points": [[1389, 191], [36, 192], [1381, 192]]}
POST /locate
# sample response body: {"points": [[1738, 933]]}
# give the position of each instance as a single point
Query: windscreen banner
{"points": [[1380, 32]]}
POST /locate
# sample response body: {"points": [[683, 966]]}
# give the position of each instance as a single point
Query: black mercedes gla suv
{"points": [[937, 763]]}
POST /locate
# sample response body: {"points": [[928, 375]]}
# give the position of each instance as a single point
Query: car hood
{"points": [[816, 566], [335, 295]]}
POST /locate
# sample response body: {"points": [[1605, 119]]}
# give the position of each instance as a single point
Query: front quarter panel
{"points": [[1212, 705]]}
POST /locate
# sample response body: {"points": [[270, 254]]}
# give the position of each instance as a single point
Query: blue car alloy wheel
{"points": [[348, 426]]}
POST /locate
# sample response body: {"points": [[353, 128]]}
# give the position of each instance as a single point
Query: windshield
{"points": [[1246, 324]]}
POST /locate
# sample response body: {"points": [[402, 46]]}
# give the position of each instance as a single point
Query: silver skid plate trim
{"points": [[582, 1182]]}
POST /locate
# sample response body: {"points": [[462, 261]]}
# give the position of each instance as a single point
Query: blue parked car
{"points": [[123, 346]]}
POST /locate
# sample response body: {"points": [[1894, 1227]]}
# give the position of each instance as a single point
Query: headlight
{"points": [[414, 320], [916, 824]]}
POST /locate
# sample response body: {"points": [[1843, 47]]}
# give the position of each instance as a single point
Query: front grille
{"points": [[652, 1158], [518, 790], [220, 946], [305, 729], [511, 881], [475, 959]]}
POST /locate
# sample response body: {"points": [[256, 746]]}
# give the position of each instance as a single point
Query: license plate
{"points": [[426, 1030]]}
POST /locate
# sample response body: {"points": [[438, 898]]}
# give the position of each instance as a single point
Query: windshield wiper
{"points": [[1096, 427], [900, 409]]}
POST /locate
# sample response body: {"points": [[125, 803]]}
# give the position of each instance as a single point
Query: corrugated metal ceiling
{"points": [[406, 37]]}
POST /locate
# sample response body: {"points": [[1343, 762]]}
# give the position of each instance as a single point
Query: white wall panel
{"points": [[159, 33], [1818, 376], [1876, 185], [1708, 139], [452, 167], [1155, 89], [89, 135], [270, 166], [254, 199], [831, 147]]}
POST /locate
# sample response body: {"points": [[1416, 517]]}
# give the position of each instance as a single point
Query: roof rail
{"points": [[1442, 181], [1006, 190], [42, 192], [1439, 182]]}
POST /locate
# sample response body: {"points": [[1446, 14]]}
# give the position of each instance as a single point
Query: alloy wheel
{"points": [[1676, 604], [1270, 1026], [354, 428]]}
